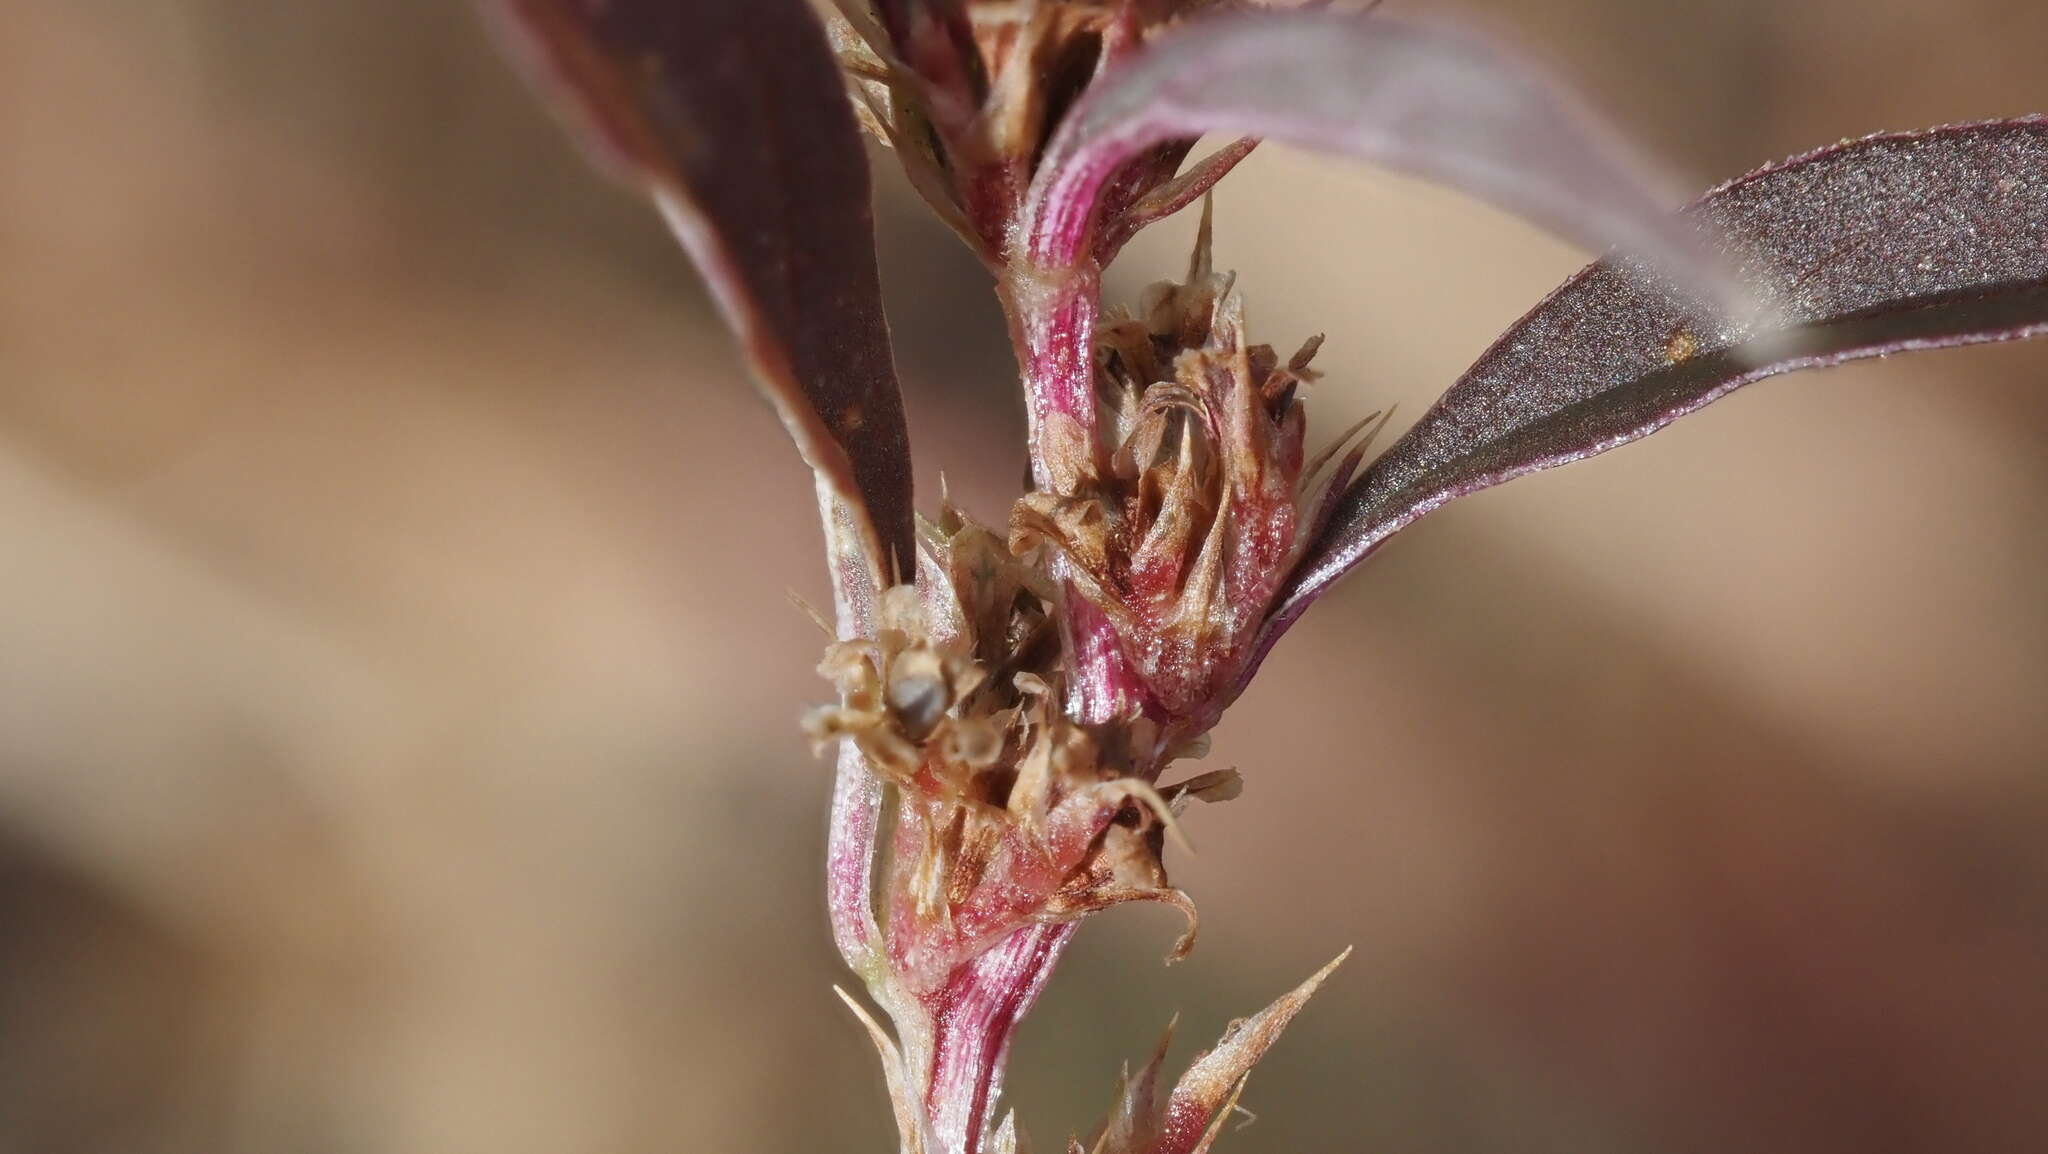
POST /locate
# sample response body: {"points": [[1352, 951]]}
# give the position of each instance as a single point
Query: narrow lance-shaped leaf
{"points": [[1882, 245], [1419, 99], [734, 118]]}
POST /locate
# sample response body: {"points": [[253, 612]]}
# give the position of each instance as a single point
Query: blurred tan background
{"points": [[398, 685]]}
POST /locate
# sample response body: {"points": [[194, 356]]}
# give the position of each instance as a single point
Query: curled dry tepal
{"points": [[1013, 694]]}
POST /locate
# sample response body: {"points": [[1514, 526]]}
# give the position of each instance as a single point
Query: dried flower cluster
{"points": [[1009, 812], [1181, 520], [969, 96], [1011, 697]]}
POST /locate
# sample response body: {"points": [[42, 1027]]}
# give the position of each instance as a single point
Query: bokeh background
{"points": [[398, 682]]}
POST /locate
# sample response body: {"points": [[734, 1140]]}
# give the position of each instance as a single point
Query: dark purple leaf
{"points": [[734, 118], [1420, 99], [1887, 244]]}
